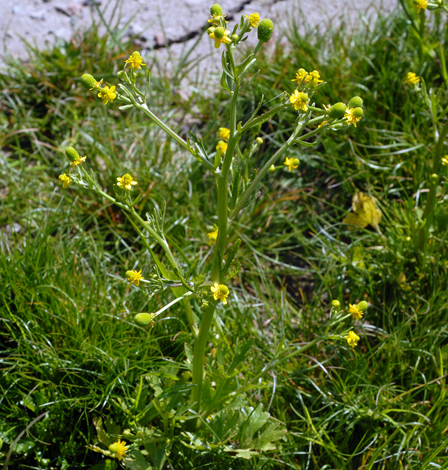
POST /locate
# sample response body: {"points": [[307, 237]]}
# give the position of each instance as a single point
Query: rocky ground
{"points": [[156, 24]]}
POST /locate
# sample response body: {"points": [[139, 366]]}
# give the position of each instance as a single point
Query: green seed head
{"points": [[114, 447], [72, 154], [223, 289], [337, 111], [87, 81], [142, 319], [296, 161], [219, 32], [355, 102], [216, 10], [363, 305], [357, 112], [265, 30]]}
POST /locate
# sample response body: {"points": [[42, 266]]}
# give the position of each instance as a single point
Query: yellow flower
{"points": [[216, 19], [66, 180], [254, 20], [107, 94], [322, 124], [221, 36], [421, 4], [315, 76], [352, 339], [220, 291], [97, 85], [213, 236], [135, 60], [224, 133], [126, 182], [445, 160], [412, 78], [299, 100], [300, 75], [356, 312], [134, 277], [351, 118], [119, 449], [78, 161], [223, 146], [291, 163]]}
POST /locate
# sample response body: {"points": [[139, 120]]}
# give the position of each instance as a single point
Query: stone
{"points": [[38, 15]]}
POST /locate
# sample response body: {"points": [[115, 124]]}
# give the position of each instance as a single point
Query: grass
{"points": [[69, 349]]}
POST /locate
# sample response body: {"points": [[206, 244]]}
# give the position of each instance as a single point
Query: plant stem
{"points": [[144, 108], [222, 182], [198, 354], [266, 369], [253, 186], [431, 201]]}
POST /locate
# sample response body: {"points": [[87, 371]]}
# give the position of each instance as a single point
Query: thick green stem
{"points": [[222, 182], [199, 353]]}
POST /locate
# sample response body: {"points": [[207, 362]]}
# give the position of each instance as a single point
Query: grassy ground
{"points": [[69, 348]]}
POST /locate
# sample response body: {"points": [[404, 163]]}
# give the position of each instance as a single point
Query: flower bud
{"points": [[87, 81], [271, 169], [337, 111], [259, 140], [355, 102], [434, 178], [219, 32], [336, 304], [357, 112], [363, 305], [72, 154], [265, 30], [235, 38], [216, 10], [128, 434], [210, 30], [143, 319]]}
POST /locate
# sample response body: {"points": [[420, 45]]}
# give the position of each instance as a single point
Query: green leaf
{"points": [[103, 436], [254, 422], [136, 461]]}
